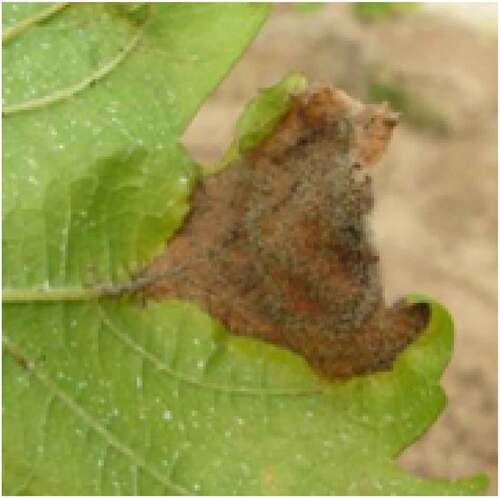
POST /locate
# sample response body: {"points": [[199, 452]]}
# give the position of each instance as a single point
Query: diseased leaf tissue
{"points": [[277, 245], [102, 395]]}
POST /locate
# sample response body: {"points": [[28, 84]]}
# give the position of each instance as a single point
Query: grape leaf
{"points": [[260, 117], [111, 396]]}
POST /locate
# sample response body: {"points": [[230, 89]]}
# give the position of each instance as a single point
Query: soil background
{"points": [[435, 219]]}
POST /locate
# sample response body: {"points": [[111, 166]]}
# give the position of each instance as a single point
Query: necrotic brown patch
{"points": [[277, 246]]}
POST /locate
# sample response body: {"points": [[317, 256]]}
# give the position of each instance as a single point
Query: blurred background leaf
{"points": [[376, 11]]}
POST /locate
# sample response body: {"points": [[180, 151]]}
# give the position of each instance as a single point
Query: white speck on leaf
{"points": [[168, 415]]}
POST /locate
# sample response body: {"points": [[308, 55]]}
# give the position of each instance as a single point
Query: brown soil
{"points": [[435, 217]]}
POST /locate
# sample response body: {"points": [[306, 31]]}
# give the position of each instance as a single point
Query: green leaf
{"points": [[260, 117], [374, 11], [96, 180], [120, 399], [113, 396], [307, 7]]}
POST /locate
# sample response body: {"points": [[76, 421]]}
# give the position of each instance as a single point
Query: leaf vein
{"points": [[10, 33], [90, 421], [71, 91], [160, 365]]}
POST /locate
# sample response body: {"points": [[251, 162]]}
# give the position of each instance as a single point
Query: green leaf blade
{"points": [[260, 118], [53, 163], [166, 386]]}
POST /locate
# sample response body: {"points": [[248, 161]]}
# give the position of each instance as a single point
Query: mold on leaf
{"points": [[278, 246]]}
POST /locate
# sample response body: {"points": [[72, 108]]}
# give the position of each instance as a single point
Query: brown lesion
{"points": [[277, 246]]}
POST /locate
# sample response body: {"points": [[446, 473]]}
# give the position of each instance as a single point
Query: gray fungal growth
{"points": [[277, 246]]}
